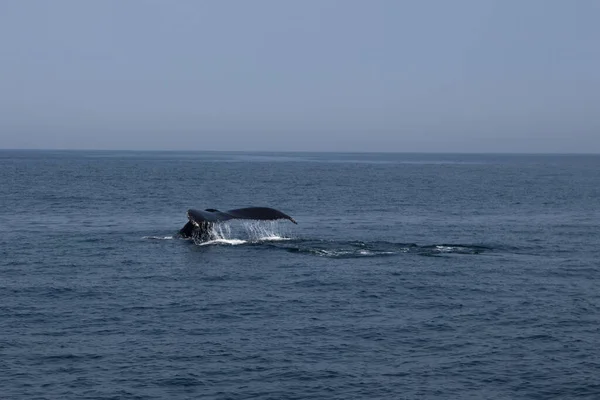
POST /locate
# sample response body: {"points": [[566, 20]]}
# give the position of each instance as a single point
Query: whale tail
{"points": [[187, 230], [201, 221]]}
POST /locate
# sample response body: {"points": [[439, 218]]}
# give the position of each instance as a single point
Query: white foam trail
{"points": [[273, 238], [232, 242], [352, 253], [444, 249], [158, 237], [334, 253]]}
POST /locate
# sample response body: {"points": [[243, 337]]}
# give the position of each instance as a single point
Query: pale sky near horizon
{"points": [[315, 75]]}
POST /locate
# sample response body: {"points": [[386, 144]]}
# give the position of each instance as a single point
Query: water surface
{"points": [[409, 276]]}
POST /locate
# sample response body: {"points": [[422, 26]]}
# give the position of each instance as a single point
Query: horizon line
{"points": [[305, 151]]}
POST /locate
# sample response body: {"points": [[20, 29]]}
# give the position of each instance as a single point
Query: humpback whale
{"points": [[200, 222]]}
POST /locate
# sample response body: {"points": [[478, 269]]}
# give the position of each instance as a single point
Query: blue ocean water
{"points": [[417, 276]]}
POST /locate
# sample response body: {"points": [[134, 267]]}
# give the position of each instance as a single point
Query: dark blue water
{"points": [[408, 276]]}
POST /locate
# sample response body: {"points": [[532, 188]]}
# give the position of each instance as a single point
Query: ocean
{"points": [[408, 276]]}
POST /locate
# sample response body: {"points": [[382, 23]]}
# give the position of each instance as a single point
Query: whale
{"points": [[201, 222]]}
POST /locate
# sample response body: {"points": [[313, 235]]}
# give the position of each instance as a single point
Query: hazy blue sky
{"points": [[370, 75]]}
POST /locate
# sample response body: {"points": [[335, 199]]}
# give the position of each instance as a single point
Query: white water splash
{"points": [[221, 231], [246, 232], [219, 234], [259, 231]]}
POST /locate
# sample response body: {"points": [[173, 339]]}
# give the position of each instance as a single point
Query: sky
{"points": [[312, 75]]}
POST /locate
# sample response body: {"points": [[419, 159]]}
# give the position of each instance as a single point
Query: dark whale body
{"points": [[200, 222]]}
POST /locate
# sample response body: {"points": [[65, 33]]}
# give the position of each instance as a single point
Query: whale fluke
{"points": [[201, 221]]}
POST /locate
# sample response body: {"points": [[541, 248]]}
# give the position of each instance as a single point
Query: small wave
{"points": [[158, 237]]}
